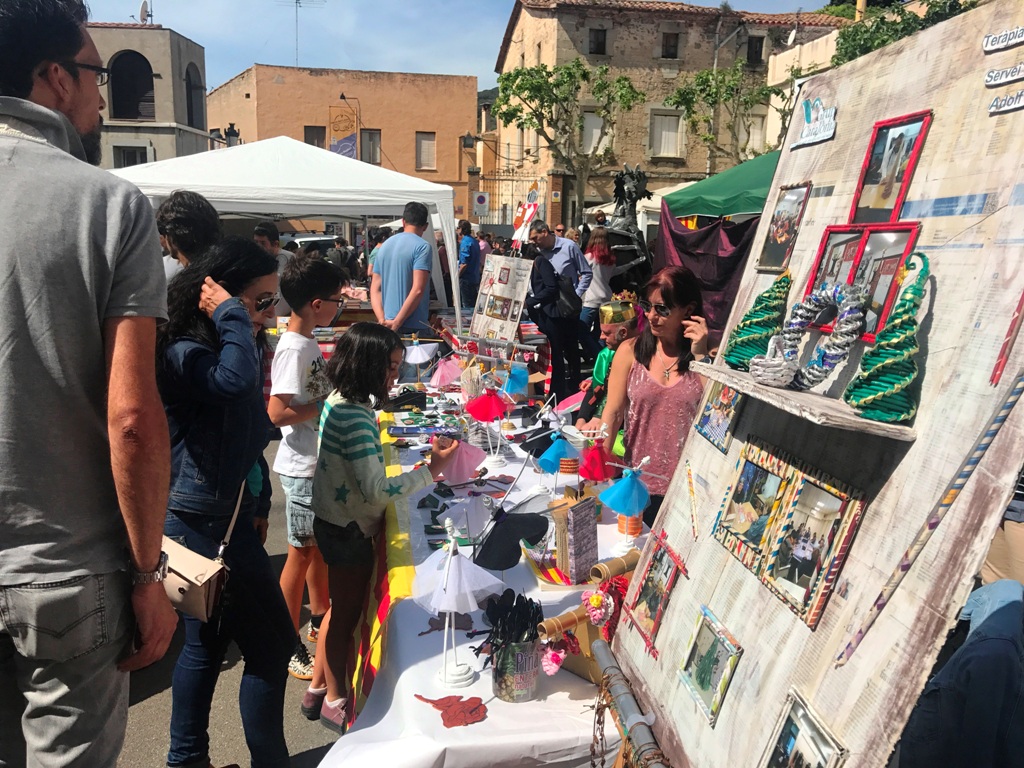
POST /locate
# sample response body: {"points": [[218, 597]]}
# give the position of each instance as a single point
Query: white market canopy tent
{"points": [[283, 178]]}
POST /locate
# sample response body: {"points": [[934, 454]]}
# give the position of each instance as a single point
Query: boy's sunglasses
{"points": [[663, 310], [262, 305]]}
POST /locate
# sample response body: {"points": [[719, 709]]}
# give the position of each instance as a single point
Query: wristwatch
{"points": [[151, 577]]}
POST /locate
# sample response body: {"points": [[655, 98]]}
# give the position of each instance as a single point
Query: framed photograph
{"points": [[503, 275], [758, 496], [649, 604], [801, 738], [717, 414], [809, 545], [871, 257], [888, 168], [784, 227], [708, 665]]}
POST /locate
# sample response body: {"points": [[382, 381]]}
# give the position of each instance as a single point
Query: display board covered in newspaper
{"points": [[827, 554], [499, 302]]}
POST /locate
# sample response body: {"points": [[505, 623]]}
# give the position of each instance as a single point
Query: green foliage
{"points": [[895, 24], [735, 91], [548, 101]]}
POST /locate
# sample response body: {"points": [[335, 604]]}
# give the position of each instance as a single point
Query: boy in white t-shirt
{"points": [[312, 287]]}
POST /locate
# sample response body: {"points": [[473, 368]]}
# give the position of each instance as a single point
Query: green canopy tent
{"points": [[739, 190]]}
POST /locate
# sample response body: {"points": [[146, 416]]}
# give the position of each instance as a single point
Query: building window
{"points": [[598, 42], [315, 135], [369, 146], [755, 51], [195, 98], [752, 139], [131, 87], [667, 136], [670, 45], [520, 146], [126, 157], [426, 151], [591, 131], [538, 53]]}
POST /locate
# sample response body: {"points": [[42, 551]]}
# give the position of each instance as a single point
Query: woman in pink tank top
{"points": [[651, 388]]}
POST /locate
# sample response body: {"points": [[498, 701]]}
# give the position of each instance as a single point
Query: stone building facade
{"points": [[412, 123], [156, 96], [657, 45]]}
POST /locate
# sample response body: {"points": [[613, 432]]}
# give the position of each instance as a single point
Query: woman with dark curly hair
{"points": [[350, 494], [210, 372]]}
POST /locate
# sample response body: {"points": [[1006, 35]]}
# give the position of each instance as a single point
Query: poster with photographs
{"points": [[810, 544], [800, 738], [871, 257], [717, 415], [503, 285], [649, 604], [760, 493], [707, 668], [888, 168], [784, 227]]}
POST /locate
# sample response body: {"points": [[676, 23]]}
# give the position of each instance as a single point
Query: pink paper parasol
{"points": [[464, 463], [573, 401], [595, 464], [446, 371], [489, 406]]}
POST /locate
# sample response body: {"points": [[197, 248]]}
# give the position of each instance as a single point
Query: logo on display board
{"points": [[997, 77], [1000, 41], [1002, 105], [819, 123]]}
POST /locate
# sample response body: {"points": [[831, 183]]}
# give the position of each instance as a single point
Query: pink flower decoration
{"points": [[551, 660]]}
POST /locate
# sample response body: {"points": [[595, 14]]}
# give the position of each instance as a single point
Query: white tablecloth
{"points": [[396, 730]]}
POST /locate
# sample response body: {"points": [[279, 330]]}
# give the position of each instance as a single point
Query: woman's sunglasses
{"points": [[262, 305], [663, 310]]}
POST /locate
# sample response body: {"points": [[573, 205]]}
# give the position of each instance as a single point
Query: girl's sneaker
{"points": [[301, 666], [334, 715], [312, 701]]}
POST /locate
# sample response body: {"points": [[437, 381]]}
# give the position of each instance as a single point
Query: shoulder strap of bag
{"points": [[231, 525]]}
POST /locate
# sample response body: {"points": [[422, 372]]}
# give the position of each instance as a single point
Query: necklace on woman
{"points": [[669, 364]]}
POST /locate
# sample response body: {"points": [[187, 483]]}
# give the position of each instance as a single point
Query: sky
{"points": [[452, 37]]}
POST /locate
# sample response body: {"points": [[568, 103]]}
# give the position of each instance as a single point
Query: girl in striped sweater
{"points": [[350, 494]]}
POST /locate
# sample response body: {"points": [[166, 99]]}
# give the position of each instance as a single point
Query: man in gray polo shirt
{"points": [[84, 447]]}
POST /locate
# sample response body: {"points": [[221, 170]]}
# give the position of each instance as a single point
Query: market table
{"points": [[397, 730]]}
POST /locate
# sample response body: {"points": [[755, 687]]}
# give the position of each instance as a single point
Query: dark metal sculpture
{"points": [[624, 236]]}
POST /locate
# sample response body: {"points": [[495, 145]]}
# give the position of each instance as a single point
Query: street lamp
{"points": [[216, 138], [231, 135], [468, 141]]}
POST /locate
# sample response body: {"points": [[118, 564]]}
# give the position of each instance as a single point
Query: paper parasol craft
{"points": [[464, 463], [417, 354], [487, 407], [570, 403], [468, 584], [445, 373], [560, 449], [629, 496], [595, 464], [516, 381]]}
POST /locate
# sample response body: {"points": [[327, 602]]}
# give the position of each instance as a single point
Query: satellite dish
{"points": [[144, 12], [789, 40]]}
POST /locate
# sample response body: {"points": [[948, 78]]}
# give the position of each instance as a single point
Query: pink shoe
{"points": [[334, 715], [312, 701]]}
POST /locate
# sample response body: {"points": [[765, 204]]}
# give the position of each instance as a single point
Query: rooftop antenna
{"points": [[299, 4], [145, 13]]}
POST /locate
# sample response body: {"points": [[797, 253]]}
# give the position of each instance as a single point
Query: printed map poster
{"points": [[499, 302]]}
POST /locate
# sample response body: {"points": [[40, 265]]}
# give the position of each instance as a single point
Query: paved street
{"points": [[150, 712]]}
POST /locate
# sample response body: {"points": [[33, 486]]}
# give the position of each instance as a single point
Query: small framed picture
{"points": [[870, 257], [649, 604], [801, 738], [708, 665], [888, 168], [720, 408], [503, 274], [784, 227], [761, 492]]}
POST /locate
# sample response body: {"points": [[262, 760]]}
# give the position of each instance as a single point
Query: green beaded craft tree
{"points": [[762, 321], [881, 390], [706, 666]]}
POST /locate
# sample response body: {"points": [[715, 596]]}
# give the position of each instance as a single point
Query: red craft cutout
{"points": [[456, 711]]}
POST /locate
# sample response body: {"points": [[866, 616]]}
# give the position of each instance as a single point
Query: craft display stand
{"points": [[821, 578]]}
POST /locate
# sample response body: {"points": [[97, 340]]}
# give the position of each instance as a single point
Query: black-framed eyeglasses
{"points": [[336, 301], [102, 73], [262, 305], [663, 310]]}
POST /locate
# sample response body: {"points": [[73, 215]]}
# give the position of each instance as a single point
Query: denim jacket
{"points": [[217, 416]]}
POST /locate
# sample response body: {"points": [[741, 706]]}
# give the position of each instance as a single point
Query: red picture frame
{"points": [[647, 606], [872, 256], [888, 168]]}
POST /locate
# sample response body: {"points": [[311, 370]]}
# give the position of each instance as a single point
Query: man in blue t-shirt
{"points": [[399, 291], [469, 264]]}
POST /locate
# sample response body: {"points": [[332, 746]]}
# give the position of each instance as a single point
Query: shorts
{"points": [[342, 546], [298, 510]]}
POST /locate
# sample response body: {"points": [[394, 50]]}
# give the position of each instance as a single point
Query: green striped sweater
{"points": [[350, 483]]}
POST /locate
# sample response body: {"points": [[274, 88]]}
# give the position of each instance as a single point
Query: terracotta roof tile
{"points": [[792, 19], [626, 5], [121, 25]]}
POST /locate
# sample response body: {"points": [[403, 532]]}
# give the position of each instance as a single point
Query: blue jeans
{"points": [[590, 332], [467, 293], [253, 614], [63, 702]]}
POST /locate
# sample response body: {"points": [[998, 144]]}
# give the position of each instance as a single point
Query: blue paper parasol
{"points": [[516, 381], [560, 449], [629, 496]]}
